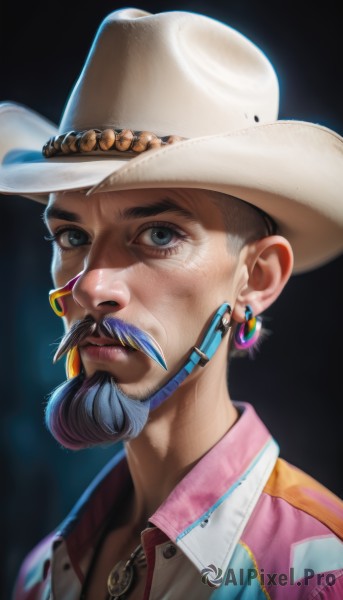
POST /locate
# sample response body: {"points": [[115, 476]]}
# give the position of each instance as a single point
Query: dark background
{"points": [[295, 381]]}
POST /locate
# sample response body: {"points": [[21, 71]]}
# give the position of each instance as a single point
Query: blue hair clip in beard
{"points": [[85, 412], [219, 326]]}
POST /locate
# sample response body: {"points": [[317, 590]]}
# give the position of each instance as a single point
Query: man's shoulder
{"points": [[295, 515], [294, 490], [295, 532]]}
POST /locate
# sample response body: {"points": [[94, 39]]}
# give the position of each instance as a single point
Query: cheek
{"points": [[183, 300], [55, 269], [189, 283], [60, 274], [64, 265]]}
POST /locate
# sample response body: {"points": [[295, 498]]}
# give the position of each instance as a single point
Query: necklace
{"points": [[122, 576]]}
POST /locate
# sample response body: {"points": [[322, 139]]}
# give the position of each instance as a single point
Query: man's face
{"points": [[157, 259]]}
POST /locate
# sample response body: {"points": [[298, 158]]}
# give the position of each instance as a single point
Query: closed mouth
{"points": [[102, 342]]}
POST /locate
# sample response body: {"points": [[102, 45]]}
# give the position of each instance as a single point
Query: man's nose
{"points": [[100, 289]]}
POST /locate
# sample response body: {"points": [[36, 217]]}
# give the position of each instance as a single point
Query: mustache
{"points": [[111, 327]]}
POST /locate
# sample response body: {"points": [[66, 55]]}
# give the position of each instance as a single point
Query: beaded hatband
{"points": [[92, 140]]}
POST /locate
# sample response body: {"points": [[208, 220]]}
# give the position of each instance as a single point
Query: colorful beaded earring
{"points": [[248, 332]]}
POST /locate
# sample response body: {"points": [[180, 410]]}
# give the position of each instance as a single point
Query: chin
{"points": [[137, 384], [125, 367]]}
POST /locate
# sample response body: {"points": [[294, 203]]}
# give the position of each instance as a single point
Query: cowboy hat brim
{"points": [[292, 170]]}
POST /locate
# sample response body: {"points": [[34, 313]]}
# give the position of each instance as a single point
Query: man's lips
{"points": [[103, 341], [104, 350]]}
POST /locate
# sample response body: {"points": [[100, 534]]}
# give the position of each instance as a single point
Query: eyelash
{"points": [[54, 238], [162, 251]]}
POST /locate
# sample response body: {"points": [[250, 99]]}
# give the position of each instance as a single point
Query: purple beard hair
{"points": [[84, 412]]}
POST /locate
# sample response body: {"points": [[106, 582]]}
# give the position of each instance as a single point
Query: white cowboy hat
{"points": [[150, 80]]}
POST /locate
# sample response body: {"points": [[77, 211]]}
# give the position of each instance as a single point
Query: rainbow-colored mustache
{"points": [[131, 336], [56, 296]]}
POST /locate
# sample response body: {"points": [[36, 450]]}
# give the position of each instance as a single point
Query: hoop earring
{"points": [[248, 332]]}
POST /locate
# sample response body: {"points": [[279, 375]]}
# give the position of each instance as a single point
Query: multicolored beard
{"points": [[84, 412], [88, 411]]}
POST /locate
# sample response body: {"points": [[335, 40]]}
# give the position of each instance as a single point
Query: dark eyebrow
{"points": [[135, 212], [152, 210], [52, 212]]}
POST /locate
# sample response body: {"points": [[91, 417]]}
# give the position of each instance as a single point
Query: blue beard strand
{"points": [[82, 413]]}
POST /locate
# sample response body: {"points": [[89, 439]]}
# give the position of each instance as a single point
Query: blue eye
{"points": [[161, 236], [68, 239]]}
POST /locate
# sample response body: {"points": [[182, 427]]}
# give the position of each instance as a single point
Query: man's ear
{"points": [[269, 264]]}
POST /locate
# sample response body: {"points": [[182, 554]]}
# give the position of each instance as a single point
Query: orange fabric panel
{"points": [[307, 494]]}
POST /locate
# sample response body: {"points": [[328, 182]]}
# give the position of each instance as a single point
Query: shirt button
{"points": [[169, 551]]}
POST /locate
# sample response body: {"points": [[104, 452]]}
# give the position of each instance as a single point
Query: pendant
{"points": [[120, 579]]}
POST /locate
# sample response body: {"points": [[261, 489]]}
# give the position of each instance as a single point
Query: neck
{"points": [[176, 436]]}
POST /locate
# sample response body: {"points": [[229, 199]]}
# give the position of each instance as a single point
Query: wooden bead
{"points": [[142, 141], [171, 139], [88, 141], [57, 141], [69, 144], [155, 143], [73, 143], [124, 140], [107, 139], [48, 149]]}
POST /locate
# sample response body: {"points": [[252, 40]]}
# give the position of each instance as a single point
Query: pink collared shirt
{"points": [[241, 524]]}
